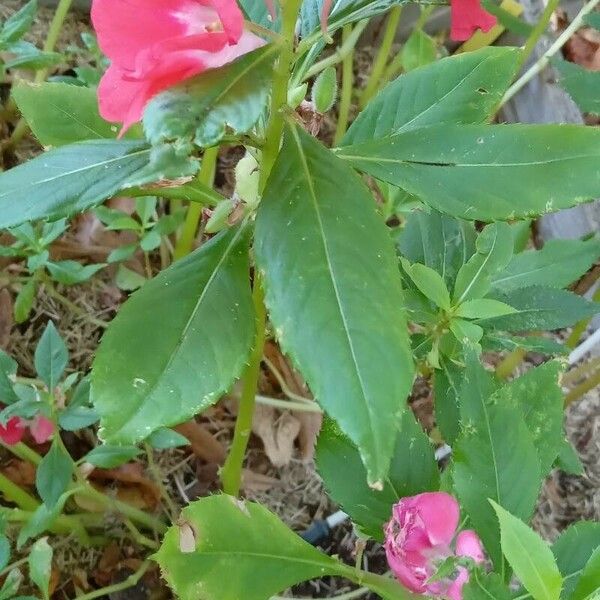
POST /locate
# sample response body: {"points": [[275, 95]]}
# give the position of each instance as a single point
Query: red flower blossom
{"points": [[467, 17], [40, 428], [155, 44]]}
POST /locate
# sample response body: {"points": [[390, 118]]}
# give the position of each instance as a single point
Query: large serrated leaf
{"points": [[227, 549], [465, 88], [494, 458], [177, 344], [413, 470], [74, 178], [556, 265], [334, 294], [539, 397], [233, 96], [478, 171]]}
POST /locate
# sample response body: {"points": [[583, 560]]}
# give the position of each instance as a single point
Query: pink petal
{"points": [[467, 17], [325, 15], [469, 544], [231, 17], [41, 429], [440, 514], [455, 590], [12, 433], [406, 574]]}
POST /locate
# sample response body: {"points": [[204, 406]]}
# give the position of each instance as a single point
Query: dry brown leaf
{"points": [[203, 443], [310, 425], [20, 472], [6, 317], [257, 482], [278, 432]]}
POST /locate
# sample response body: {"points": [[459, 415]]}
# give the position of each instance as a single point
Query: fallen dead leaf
{"points": [[203, 443], [278, 432], [20, 472]]}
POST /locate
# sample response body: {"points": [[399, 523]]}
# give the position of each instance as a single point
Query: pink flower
{"points": [[467, 17], [418, 538], [156, 44], [40, 428]]}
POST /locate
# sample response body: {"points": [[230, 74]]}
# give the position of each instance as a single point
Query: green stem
{"points": [[396, 65], [206, 177], [544, 60], [172, 510], [583, 388], [231, 473], [281, 78], [349, 40], [118, 587], [537, 32], [389, 36], [347, 88], [49, 45], [13, 493]]}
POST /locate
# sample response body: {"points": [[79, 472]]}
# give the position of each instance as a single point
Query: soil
{"points": [[294, 490]]}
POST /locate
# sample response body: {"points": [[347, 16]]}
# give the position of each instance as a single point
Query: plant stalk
{"points": [[538, 31], [389, 36], [231, 473], [206, 176], [118, 587], [347, 87]]}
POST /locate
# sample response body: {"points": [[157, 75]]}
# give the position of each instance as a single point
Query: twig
{"points": [[118, 587], [289, 404]]}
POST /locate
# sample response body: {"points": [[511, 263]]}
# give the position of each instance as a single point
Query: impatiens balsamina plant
{"points": [[398, 251]]}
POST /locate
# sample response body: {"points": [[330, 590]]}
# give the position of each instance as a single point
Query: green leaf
{"points": [[128, 279], [483, 308], [177, 344], [437, 241], [465, 88], [234, 549], [539, 397], [413, 470], [419, 50], [11, 585], [466, 332], [321, 274], [258, 12], [529, 556], [494, 458], [429, 282], [494, 250], [485, 587], [51, 357], [447, 381], [465, 170], [40, 566], [568, 460], [24, 300], [164, 438], [59, 113], [541, 309], [15, 27], [593, 20], [69, 179], [77, 417], [41, 520], [573, 549], [28, 56], [53, 474], [109, 457], [583, 85], [4, 551], [558, 264], [71, 272], [589, 581], [230, 97], [534, 343]]}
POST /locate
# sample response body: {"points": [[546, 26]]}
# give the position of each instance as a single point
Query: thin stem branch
{"points": [[389, 36], [537, 32], [289, 404], [206, 176], [13, 493], [347, 88], [118, 587], [282, 383], [544, 60], [49, 45], [172, 509], [231, 473], [583, 388], [349, 42], [574, 374]]}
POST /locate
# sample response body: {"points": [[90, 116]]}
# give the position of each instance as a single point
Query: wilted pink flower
{"points": [[155, 44], [40, 428], [467, 17], [418, 538]]}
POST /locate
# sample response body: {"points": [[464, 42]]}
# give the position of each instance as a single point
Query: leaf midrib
{"points": [[313, 197]]}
